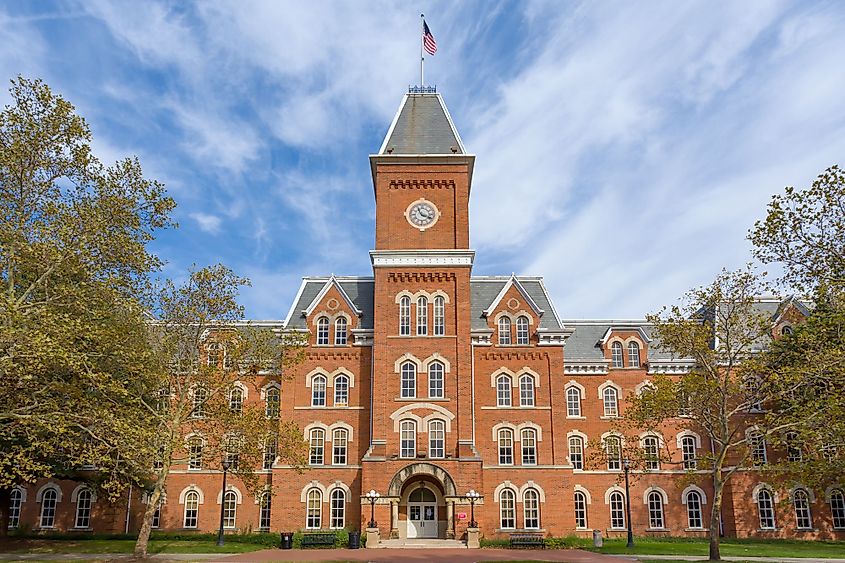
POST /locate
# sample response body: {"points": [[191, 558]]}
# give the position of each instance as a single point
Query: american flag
{"points": [[428, 40]]}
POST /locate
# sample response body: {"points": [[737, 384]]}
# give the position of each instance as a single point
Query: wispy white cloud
{"points": [[207, 222]]}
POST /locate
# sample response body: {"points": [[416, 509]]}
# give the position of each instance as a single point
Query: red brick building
{"points": [[423, 382]]}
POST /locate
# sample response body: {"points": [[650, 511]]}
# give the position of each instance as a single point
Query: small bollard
{"points": [[597, 539]]}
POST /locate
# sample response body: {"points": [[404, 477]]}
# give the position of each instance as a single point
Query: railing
{"points": [[422, 89]]}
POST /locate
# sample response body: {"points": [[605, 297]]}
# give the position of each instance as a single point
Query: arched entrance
{"points": [[422, 498]]}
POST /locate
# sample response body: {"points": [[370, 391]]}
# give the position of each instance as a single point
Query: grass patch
{"points": [[128, 545], [729, 547]]}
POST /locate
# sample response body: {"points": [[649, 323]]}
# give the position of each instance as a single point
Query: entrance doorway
{"points": [[422, 514]]}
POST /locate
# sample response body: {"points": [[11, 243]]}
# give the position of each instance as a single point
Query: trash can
{"points": [[354, 539], [286, 541], [597, 539]]}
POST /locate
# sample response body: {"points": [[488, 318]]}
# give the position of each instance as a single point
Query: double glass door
{"points": [[422, 520]]}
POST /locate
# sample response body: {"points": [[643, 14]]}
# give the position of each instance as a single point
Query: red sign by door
{"points": [[462, 515]]}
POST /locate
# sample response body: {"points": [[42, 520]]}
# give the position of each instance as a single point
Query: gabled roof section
{"points": [[357, 291], [328, 285], [513, 282], [484, 290], [422, 126], [625, 327]]}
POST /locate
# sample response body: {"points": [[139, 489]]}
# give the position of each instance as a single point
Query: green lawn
{"points": [[730, 547], [127, 546]]}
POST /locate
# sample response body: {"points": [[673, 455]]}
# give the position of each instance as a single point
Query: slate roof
{"points": [[359, 290], [422, 126]]}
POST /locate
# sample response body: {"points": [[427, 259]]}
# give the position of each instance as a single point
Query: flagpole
{"points": [[422, 55]]}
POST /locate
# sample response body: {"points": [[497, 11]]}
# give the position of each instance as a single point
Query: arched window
{"points": [[617, 511], [408, 439], [655, 510], [837, 508], [405, 316], [633, 355], [613, 449], [273, 399], [507, 509], [688, 452], [212, 357], [231, 454], [529, 446], [199, 397], [15, 501], [83, 509], [580, 510], [531, 509], [337, 518], [651, 449], [503, 390], [793, 447], [314, 517], [526, 390], [156, 523], [230, 507], [766, 510], [786, 330], [192, 506], [616, 354], [801, 503], [684, 406], [227, 358], [322, 331], [236, 400], [505, 446], [318, 391], [576, 452], [195, 453], [341, 391], [439, 316], [504, 331], [340, 439], [436, 376], [522, 330], [340, 331], [409, 380], [264, 514], [48, 508], [573, 401], [757, 447], [271, 446], [436, 439], [694, 519], [317, 441], [422, 316], [611, 401]]}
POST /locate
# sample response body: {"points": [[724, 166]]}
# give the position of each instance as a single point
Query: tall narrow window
{"points": [[801, 503], [337, 518], [422, 316], [503, 391], [576, 452], [793, 447], [228, 362], [340, 439], [688, 452], [651, 449], [271, 445], [236, 400], [504, 331], [156, 523], [611, 401], [766, 510], [436, 376], [526, 391], [273, 398], [405, 316], [195, 453], [684, 404], [48, 508], [318, 391], [655, 510], [341, 391], [633, 355], [340, 331], [507, 509], [230, 507], [439, 316], [573, 401], [757, 446], [264, 513], [408, 439], [616, 354], [322, 331], [15, 501], [192, 505], [409, 380], [436, 439], [694, 519], [529, 446], [505, 447], [199, 398], [213, 354], [837, 508], [531, 508], [83, 509], [613, 449], [522, 330], [317, 443], [580, 510], [314, 516], [617, 511], [232, 452]]}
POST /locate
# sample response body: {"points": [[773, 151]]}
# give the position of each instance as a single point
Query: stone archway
{"points": [[437, 473], [410, 478]]}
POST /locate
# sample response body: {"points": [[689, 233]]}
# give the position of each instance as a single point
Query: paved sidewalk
{"points": [[733, 558], [422, 555]]}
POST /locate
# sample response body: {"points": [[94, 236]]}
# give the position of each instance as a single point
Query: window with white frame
{"points": [[422, 316], [408, 439], [613, 451], [318, 391], [694, 517], [573, 401], [531, 509], [317, 442], [199, 398], [610, 398], [436, 376], [192, 506], [522, 330], [526, 390], [505, 446], [766, 509], [195, 453], [617, 511], [436, 439], [230, 508], [83, 509], [655, 510], [15, 502], [801, 504], [272, 402], [232, 452], [156, 523], [684, 405], [236, 400], [651, 449], [688, 452], [503, 390], [504, 331], [322, 331], [439, 316], [528, 442], [793, 447], [212, 357], [341, 390], [409, 380], [633, 354], [507, 509], [271, 446], [265, 511], [576, 452], [580, 510], [314, 509], [837, 508], [404, 316], [340, 442], [337, 518], [340, 336], [757, 447], [227, 358], [616, 354], [49, 498]]}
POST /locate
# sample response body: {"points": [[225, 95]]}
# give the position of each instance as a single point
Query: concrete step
{"points": [[420, 543]]}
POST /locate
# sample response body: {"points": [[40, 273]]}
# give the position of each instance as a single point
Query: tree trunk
{"points": [[715, 513], [5, 499], [143, 540]]}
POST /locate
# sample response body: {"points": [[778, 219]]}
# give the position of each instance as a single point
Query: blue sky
{"points": [[623, 148]]}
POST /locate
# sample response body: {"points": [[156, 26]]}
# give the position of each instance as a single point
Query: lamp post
{"points": [[372, 496], [472, 496], [626, 464], [226, 464]]}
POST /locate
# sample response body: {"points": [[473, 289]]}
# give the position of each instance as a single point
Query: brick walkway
{"points": [[423, 555]]}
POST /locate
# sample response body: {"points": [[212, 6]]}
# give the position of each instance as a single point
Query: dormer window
{"points": [[616, 354], [786, 330], [633, 354], [340, 331], [504, 331], [322, 331]]}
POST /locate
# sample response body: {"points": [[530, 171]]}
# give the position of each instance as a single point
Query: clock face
{"points": [[422, 214]]}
